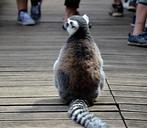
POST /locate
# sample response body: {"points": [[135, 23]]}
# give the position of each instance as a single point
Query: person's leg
{"points": [[117, 2], [116, 9], [130, 5], [139, 37], [36, 9], [22, 5], [71, 7], [141, 15], [23, 17], [35, 2]]}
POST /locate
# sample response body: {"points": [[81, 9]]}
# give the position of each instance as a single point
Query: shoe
{"points": [[25, 19], [116, 10], [130, 5], [126, 4], [138, 40], [36, 12]]}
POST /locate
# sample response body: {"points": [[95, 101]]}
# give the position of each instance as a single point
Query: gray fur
{"points": [[79, 75]]}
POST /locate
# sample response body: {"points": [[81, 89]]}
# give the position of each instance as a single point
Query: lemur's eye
{"points": [[71, 23], [66, 24]]}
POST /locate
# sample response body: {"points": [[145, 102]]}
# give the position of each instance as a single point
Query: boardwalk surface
{"points": [[28, 98]]}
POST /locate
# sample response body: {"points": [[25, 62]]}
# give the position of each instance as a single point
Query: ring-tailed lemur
{"points": [[79, 74]]}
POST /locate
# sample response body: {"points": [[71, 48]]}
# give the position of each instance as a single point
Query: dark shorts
{"points": [[72, 3], [142, 2]]}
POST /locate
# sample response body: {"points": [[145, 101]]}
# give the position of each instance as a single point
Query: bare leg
{"points": [[141, 15], [69, 11], [21, 4], [138, 38], [71, 7], [117, 1]]}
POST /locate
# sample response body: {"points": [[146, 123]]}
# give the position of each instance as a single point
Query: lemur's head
{"points": [[76, 22]]}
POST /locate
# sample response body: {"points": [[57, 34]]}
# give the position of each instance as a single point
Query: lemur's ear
{"points": [[86, 18]]}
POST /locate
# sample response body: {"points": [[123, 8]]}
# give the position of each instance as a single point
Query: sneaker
{"points": [[36, 12], [116, 10], [126, 4], [138, 40], [130, 5], [25, 19]]}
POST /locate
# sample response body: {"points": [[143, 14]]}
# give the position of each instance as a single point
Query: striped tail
{"points": [[79, 112]]}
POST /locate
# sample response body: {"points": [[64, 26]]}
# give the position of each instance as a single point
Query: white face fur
{"points": [[72, 25]]}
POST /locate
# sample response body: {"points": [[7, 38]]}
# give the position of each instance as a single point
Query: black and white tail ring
{"points": [[79, 112]]}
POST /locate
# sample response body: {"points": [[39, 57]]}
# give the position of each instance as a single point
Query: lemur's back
{"points": [[81, 63]]}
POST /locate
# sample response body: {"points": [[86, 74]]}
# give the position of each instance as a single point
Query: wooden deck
{"points": [[28, 98]]}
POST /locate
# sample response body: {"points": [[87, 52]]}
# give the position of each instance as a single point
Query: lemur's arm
{"points": [[58, 60], [63, 84]]}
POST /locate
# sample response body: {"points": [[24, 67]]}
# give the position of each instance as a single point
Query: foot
{"points": [[130, 5], [138, 40], [25, 19], [36, 12], [116, 10]]}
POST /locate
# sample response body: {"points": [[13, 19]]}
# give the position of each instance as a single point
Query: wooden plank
{"points": [[133, 108], [130, 94], [46, 101], [35, 77], [52, 108], [25, 83], [124, 72], [124, 75], [51, 115], [136, 123], [18, 83], [40, 124], [54, 124], [135, 116], [33, 91], [131, 100], [126, 58], [18, 68], [138, 88], [131, 81]]}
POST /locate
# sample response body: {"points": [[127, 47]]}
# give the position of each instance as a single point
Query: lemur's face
{"points": [[75, 22], [72, 26]]}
